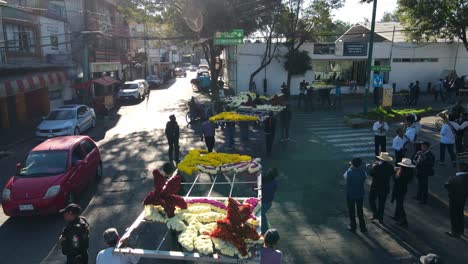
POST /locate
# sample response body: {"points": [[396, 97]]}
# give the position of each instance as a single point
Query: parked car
{"points": [[193, 68], [145, 85], [66, 120], [153, 80], [203, 68], [132, 90], [52, 176], [179, 72]]}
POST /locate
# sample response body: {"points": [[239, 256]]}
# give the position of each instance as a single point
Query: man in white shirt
{"points": [[380, 129], [106, 256], [398, 145], [447, 141]]}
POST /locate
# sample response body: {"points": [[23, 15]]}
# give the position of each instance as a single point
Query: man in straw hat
{"points": [[381, 172], [424, 160], [403, 177], [355, 177]]}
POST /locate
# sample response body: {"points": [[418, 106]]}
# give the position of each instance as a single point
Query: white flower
{"points": [[255, 167], [224, 247], [207, 228], [153, 214], [187, 237], [175, 223], [203, 244]]}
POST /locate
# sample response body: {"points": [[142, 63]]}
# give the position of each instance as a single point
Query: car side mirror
{"points": [[78, 163]]}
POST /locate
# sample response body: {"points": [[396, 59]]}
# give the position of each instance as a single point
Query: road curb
{"points": [[17, 142]]}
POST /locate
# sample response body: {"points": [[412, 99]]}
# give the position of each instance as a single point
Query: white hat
{"points": [[384, 156], [405, 162], [430, 259]]}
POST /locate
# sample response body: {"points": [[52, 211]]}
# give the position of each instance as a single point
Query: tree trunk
{"points": [[214, 72]]}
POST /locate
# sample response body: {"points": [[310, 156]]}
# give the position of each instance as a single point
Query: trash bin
{"points": [[387, 97]]}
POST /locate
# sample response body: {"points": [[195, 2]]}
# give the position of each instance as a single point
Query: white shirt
{"points": [[105, 256], [447, 135], [398, 143], [417, 126], [411, 133], [377, 128]]}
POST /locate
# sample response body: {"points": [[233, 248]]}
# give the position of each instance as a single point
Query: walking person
{"points": [[172, 135], [106, 256], [302, 89], [457, 187], [381, 172], [416, 93], [285, 121], [285, 91], [230, 133], [448, 133], [403, 176], [310, 98], [270, 255], [412, 92], [75, 236], [208, 132], [410, 136], [355, 177], [380, 129], [439, 90], [337, 102], [424, 160], [269, 185], [269, 129], [398, 145]]}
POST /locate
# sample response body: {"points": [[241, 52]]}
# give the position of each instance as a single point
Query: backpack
{"points": [[76, 238]]}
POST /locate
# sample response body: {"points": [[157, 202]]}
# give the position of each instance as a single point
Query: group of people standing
{"points": [[449, 88]]}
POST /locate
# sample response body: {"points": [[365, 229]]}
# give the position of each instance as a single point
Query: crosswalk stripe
{"points": [[322, 123], [341, 128], [348, 139], [355, 144], [358, 149], [348, 135]]}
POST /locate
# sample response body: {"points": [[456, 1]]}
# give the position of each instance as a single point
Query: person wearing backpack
{"points": [[75, 236], [448, 133], [424, 161]]}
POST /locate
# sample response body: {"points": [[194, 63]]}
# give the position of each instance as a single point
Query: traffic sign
{"points": [[222, 41], [381, 68], [234, 34], [377, 80]]}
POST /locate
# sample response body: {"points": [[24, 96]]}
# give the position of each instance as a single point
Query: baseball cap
{"points": [[72, 209], [430, 259]]}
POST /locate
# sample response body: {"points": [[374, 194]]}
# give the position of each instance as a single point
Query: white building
{"points": [[346, 59]]}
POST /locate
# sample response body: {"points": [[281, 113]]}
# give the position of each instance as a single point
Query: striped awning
{"points": [[30, 83]]}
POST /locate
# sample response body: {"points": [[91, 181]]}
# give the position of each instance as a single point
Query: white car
{"points": [[193, 68], [132, 90], [66, 120], [145, 84]]}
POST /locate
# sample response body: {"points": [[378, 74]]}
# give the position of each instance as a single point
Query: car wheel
{"points": [[93, 122], [76, 132], [70, 198], [99, 172]]}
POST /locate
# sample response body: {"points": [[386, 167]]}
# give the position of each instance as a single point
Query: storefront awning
{"points": [[29, 83], [105, 81]]}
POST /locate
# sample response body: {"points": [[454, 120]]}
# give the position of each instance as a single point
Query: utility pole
{"points": [[146, 48], [369, 58]]}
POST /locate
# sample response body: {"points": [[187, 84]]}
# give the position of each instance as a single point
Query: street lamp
{"points": [[369, 58]]}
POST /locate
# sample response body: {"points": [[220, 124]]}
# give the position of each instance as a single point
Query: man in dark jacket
{"points": [[285, 118], [172, 135], [75, 236], [269, 129], [381, 172], [424, 160], [355, 177], [457, 187]]}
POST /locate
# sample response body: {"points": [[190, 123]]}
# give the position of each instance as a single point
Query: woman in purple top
{"points": [[270, 255]]}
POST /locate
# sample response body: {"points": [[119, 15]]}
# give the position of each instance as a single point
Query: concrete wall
{"points": [[403, 73]]}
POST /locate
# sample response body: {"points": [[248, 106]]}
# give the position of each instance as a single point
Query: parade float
{"points": [[208, 211]]}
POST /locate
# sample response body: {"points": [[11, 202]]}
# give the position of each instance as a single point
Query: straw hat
{"points": [[405, 162], [384, 156]]}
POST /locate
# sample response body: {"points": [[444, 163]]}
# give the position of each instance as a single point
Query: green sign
{"points": [[228, 41], [383, 68], [235, 34]]}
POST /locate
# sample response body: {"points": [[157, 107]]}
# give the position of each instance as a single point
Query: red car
{"points": [[52, 175]]}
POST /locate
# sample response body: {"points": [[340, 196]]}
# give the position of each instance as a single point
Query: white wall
{"points": [[52, 27], [403, 73]]}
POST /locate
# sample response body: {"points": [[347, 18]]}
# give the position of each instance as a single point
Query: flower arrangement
{"points": [[164, 193], [254, 167], [203, 244], [197, 160], [254, 205], [232, 116]]}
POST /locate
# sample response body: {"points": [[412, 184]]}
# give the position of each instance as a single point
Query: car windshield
{"points": [[44, 163], [129, 86], [61, 115]]}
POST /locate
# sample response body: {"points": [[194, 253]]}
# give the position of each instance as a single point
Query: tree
{"points": [[390, 17]]}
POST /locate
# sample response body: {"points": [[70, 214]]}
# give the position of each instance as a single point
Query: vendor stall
{"points": [[216, 220]]}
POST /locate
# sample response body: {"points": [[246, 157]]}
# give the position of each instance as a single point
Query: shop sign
{"points": [[104, 67], [382, 68], [55, 95], [355, 49]]}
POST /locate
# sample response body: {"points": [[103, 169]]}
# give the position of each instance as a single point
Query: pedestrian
{"points": [[353, 86], [269, 185], [355, 177], [310, 98], [106, 256], [410, 136], [398, 145], [424, 160], [270, 255], [285, 121], [457, 187], [208, 132], [302, 89], [380, 129], [172, 135], [416, 92], [75, 236], [439, 90], [269, 129], [168, 169], [230, 133], [448, 133], [285, 90], [412, 92], [403, 176], [381, 172], [337, 102], [417, 125]]}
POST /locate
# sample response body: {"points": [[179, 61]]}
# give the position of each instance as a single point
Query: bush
{"points": [[395, 114]]}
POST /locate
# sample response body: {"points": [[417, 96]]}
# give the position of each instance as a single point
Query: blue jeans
{"points": [[265, 224]]}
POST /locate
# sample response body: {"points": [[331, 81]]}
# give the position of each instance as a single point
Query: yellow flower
{"points": [[197, 157], [232, 116]]}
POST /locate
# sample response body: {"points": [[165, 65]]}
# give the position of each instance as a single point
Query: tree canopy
{"points": [[390, 17]]}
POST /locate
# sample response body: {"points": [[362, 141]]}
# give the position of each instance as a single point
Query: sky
{"points": [[355, 12]]}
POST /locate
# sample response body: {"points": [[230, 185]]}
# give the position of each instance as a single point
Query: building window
{"points": [[19, 38], [54, 42], [415, 60]]}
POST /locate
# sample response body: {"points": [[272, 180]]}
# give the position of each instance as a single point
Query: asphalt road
{"points": [[132, 144]]}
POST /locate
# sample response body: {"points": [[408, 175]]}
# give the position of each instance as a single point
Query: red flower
{"points": [[234, 229], [165, 193]]}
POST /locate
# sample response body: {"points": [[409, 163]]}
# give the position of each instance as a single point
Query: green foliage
{"points": [[390, 17], [395, 114], [298, 62]]}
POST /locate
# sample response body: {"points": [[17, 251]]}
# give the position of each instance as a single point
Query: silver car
{"points": [[66, 120], [132, 90]]}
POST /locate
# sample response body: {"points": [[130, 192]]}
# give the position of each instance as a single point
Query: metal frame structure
{"points": [[179, 255]]}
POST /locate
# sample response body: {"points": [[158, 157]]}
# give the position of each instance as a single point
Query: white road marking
{"points": [[349, 135]]}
